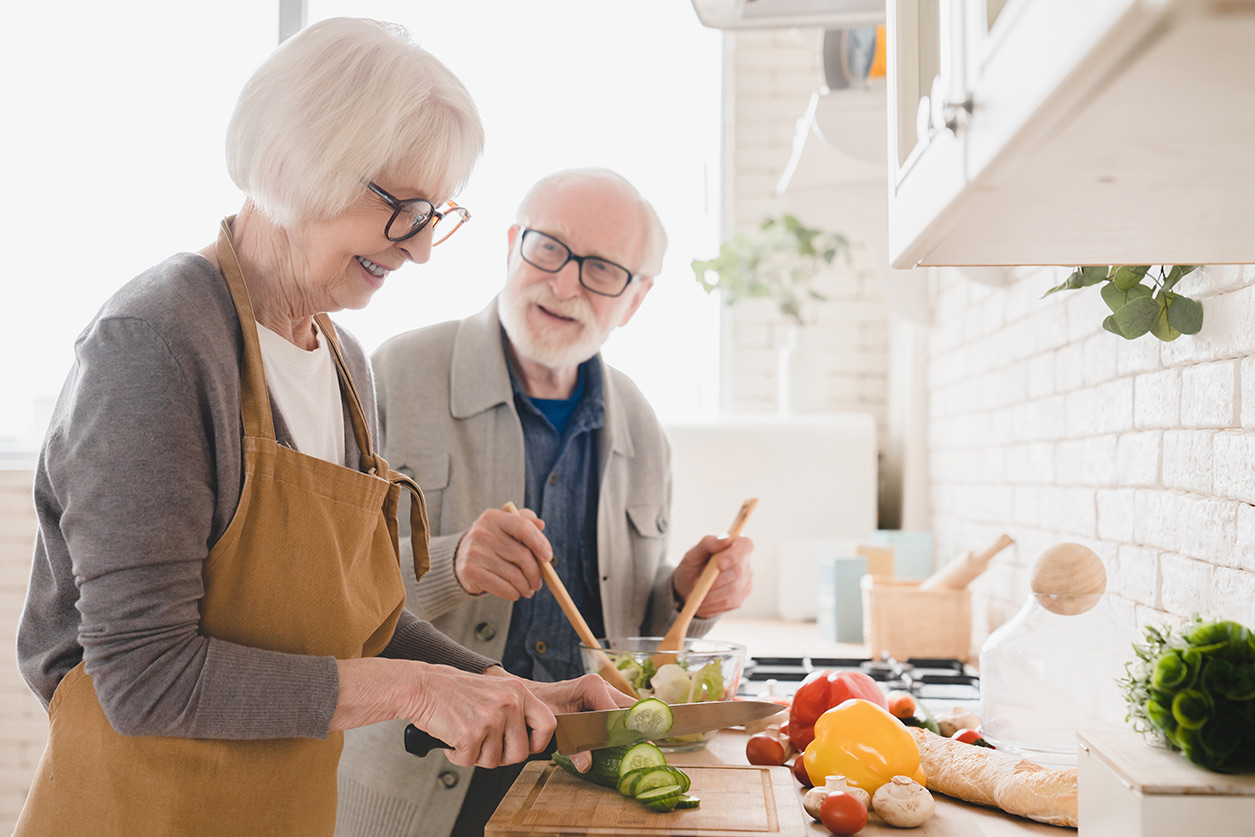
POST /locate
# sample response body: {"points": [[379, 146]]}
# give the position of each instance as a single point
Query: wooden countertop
{"points": [[953, 818]]}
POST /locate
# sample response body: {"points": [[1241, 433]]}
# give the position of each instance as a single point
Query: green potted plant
{"points": [[780, 260], [1140, 301]]}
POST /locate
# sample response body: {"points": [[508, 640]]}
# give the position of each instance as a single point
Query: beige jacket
{"points": [[447, 418]]}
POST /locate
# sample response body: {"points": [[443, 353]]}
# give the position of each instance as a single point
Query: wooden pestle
{"points": [[960, 572], [674, 639], [609, 672]]}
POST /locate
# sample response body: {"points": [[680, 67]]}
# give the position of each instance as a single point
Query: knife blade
{"points": [[578, 732], [581, 731]]}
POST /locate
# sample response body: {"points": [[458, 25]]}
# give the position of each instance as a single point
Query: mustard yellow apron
{"points": [[308, 565]]}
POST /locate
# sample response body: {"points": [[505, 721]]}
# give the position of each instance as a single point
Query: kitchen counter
{"points": [[953, 818]]}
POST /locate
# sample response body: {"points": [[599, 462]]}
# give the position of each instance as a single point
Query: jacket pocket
{"points": [[648, 520], [430, 469]]}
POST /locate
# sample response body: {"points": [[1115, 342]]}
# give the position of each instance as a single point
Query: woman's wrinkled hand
{"points": [[487, 721], [589, 692]]}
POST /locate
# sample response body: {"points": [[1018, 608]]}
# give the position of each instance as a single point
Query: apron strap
{"points": [[418, 522], [371, 463], [254, 399]]}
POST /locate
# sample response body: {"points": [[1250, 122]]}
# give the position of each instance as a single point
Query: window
{"points": [[134, 100]]}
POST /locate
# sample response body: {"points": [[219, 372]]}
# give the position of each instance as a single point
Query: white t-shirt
{"points": [[306, 389]]}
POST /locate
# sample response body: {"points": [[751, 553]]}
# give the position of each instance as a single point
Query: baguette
{"points": [[997, 780]]}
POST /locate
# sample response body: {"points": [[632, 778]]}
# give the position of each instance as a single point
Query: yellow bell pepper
{"points": [[864, 743]]}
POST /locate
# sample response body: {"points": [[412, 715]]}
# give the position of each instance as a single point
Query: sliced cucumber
{"points": [[658, 777], [650, 717], [627, 782], [662, 799], [643, 754], [687, 800]]}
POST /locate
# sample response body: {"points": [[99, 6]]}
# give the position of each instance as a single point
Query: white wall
{"points": [[771, 76]]}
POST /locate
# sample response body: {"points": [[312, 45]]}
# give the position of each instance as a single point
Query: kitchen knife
{"points": [[580, 731]]}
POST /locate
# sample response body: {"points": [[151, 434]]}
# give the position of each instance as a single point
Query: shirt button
{"points": [[484, 632], [553, 478], [448, 778], [662, 523], [540, 646]]}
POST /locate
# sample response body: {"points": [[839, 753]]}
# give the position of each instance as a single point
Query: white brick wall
{"points": [[1140, 449]]}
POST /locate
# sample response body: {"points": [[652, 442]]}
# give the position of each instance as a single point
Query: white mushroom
{"points": [[903, 802], [815, 796]]}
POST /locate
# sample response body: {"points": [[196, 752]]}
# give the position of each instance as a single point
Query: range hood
{"points": [[767, 14]]}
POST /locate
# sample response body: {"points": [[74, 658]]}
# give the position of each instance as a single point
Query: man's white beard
{"points": [[547, 345]]}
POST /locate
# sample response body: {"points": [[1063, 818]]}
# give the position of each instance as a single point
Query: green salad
{"points": [[674, 682], [1193, 689]]}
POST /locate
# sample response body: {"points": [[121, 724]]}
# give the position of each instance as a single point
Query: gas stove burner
{"points": [[925, 678]]}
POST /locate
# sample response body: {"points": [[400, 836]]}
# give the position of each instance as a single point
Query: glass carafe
{"points": [[1052, 669]]}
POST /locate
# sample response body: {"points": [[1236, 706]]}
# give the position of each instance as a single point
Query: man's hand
{"points": [[499, 555], [735, 576]]}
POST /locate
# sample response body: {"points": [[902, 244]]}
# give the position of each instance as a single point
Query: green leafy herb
{"points": [[1193, 689], [1140, 301]]}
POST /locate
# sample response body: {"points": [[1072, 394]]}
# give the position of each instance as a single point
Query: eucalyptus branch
{"points": [[1138, 308]]}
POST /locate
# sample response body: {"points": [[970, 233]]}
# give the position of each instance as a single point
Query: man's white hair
{"points": [[344, 101], [656, 237]]}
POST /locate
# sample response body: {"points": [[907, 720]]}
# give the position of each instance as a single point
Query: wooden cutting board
{"points": [[737, 801]]}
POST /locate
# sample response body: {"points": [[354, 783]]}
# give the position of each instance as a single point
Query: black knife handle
{"points": [[421, 743]]}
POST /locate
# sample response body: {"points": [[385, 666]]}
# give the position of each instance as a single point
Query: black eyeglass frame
{"points": [[571, 257], [398, 206]]}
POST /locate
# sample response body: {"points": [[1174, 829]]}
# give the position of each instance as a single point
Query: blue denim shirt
{"points": [[562, 486]]}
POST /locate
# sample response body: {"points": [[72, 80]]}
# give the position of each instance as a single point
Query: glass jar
{"points": [[1052, 669]]}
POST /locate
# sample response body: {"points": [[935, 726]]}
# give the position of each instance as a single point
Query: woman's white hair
{"points": [[656, 236], [344, 101]]}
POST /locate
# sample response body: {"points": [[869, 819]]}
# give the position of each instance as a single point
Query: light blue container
{"points": [[840, 613], [912, 551]]}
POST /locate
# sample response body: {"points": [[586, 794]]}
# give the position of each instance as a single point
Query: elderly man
{"points": [[515, 405]]}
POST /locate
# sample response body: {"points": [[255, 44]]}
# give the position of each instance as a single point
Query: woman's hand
{"points": [[487, 721], [578, 695]]}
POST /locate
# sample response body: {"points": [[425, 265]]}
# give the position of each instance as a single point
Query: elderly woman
{"points": [[216, 591]]}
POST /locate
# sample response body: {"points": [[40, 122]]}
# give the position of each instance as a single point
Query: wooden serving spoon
{"points": [[674, 640], [609, 672]]}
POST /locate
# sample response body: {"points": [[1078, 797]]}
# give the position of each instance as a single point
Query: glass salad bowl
{"points": [[703, 670]]}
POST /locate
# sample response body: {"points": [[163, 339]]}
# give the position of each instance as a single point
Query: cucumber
{"points": [[627, 782], [643, 754], [607, 764], [653, 778], [687, 800], [650, 717], [661, 799]]}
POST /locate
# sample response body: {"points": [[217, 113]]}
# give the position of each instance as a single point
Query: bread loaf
{"points": [[998, 780]]}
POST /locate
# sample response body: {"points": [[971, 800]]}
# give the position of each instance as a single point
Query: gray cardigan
{"points": [[447, 417], [138, 477]]}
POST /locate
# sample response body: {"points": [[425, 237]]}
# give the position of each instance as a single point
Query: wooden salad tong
{"points": [[674, 639], [607, 669]]}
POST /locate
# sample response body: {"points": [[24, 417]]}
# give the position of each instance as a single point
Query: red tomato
{"points": [[799, 772], [823, 690], [971, 736], [842, 813], [764, 748], [901, 705]]}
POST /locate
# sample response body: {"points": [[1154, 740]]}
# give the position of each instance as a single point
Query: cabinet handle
{"points": [[956, 115]]}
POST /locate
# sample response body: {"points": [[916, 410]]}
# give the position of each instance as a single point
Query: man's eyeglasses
{"points": [[409, 217], [596, 274]]}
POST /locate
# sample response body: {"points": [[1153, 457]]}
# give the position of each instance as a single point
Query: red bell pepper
{"points": [[823, 690]]}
